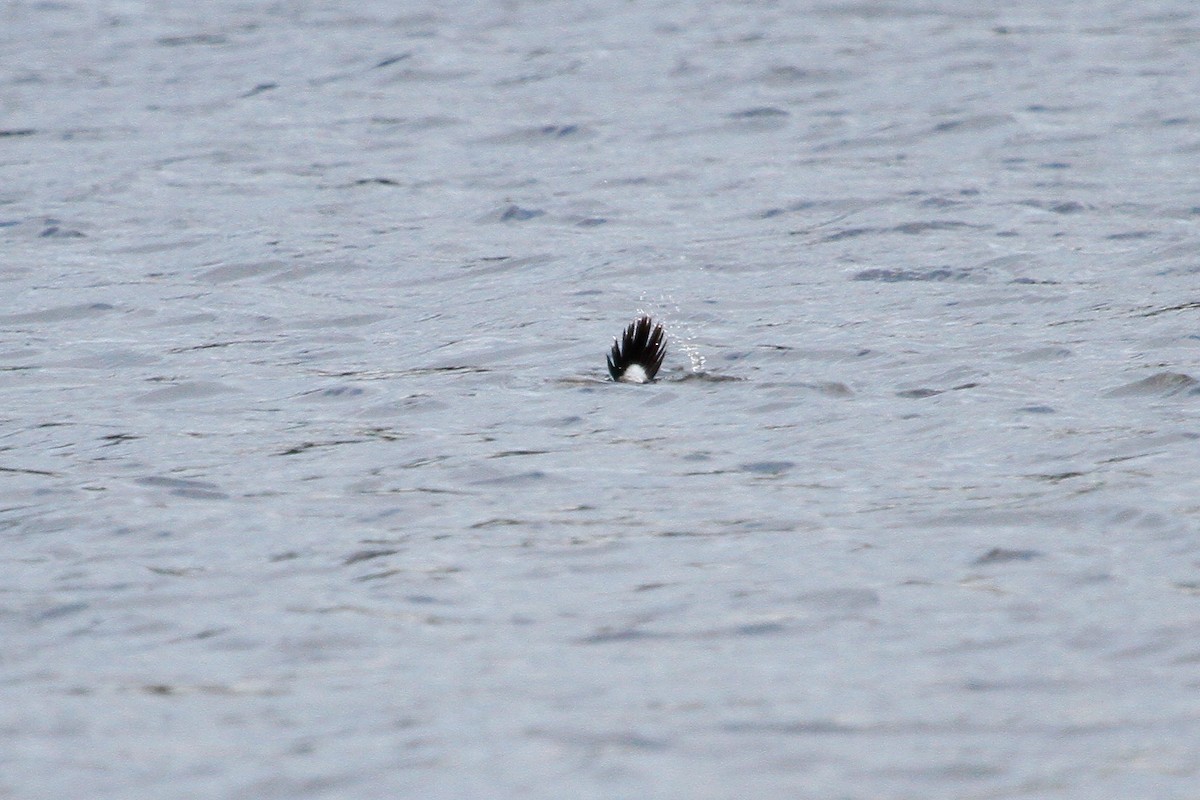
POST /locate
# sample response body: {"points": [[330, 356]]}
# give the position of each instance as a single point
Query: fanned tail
{"points": [[639, 353]]}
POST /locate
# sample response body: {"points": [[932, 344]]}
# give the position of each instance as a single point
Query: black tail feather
{"points": [[644, 343]]}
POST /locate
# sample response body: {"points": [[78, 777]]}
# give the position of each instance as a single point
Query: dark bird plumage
{"points": [[637, 355]]}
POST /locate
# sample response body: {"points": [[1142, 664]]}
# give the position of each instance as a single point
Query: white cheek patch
{"points": [[634, 374]]}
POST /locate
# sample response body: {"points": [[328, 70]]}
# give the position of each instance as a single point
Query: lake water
{"points": [[312, 483]]}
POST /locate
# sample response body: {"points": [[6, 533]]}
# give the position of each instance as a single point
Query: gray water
{"points": [[313, 484]]}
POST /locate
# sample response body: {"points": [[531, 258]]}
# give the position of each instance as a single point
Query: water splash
{"points": [[682, 331]]}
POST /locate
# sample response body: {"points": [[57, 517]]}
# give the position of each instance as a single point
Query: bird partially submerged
{"points": [[637, 355]]}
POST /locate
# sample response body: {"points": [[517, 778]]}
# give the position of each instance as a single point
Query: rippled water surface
{"points": [[313, 483]]}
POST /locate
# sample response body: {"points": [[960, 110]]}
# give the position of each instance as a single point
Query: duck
{"points": [[639, 352]]}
